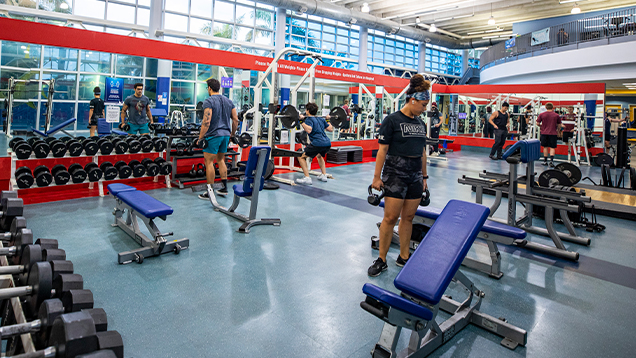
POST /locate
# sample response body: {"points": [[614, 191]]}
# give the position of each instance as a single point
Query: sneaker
{"points": [[305, 180], [204, 196], [435, 154], [322, 177], [376, 269], [551, 164], [499, 157], [221, 191], [544, 163], [400, 261], [492, 157]]}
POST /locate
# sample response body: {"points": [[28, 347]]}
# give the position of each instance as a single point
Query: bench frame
{"points": [[150, 247]]}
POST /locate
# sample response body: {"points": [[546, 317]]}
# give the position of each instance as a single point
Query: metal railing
{"points": [[570, 34]]}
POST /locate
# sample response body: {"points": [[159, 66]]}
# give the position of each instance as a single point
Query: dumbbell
{"points": [[152, 169], [160, 144], [73, 145], [134, 146], [121, 146], [24, 177], [15, 242], [124, 127], [105, 146], [40, 148], [58, 148], [12, 228], [78, 174], [138, 170], [93, 172], [90, 146], [109, 170], [42, 176], [164, 167], [147, 145], [20, 147], [197, 143], [29, 255], [11, 208], [61, 176], [124, 170]]}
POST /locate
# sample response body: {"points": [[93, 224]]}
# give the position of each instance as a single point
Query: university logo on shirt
{"points": [[413, 130]]}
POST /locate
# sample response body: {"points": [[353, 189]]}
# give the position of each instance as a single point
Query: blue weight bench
{"points": [[144, 207], [423, 281], [492, 232], [58, 128], [254, 171]]}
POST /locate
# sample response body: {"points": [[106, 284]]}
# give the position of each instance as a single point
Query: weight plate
{"points": [[90, 147], [94, 174], [90, 166], [572, 171], [165, 168], [15, 140], [160, 145], [551, 177], [147, 146], [78, 176], [337, 116], [41, 150], [33, 140], [61, 177], [73, 167], [44, 179], [133, 163], [152, 169], [269, 170], [58, 149], [632, 177], [30, 255], [74, 148], [121, 147], [604, 158], [41, 281], [24, 178], [110, 173], [124, 171], [134, 146], [57, 168], [106, 147], [288, 116], [22, 150], [138, 171]]}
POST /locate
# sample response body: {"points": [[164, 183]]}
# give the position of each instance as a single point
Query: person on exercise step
{"points": [[400, 168], [319, 143], [550, 123], [499, 121], [96, 110], [220, 121], [136, 106]]}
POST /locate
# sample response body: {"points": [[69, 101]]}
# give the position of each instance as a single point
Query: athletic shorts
{"points": [[142, 128], [402, 177], [312, 151], [567, 136], [217, 144], [548, 140], [92, 122]]}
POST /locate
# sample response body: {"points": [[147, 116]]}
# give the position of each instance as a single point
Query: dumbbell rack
{"points": [[95, 158], [180, 180], [6, 281]]}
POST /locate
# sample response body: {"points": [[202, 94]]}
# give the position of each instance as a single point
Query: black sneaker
{"points": [[492, 157], [376, 269], [204, 196], [499, 157], [551, 164], [400, 261], [544, 163], [222, 191]]}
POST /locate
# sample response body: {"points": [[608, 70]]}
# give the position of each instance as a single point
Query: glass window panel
{"points": [[56, 6], [244, 33], [223, 11], [177, 5], [23, 90], [297, 40], [90, 8], [328, 37], [245, 2], [200, 26], [314, 26], [343, 32], [61, 112], [202, 8], [121, 13], [92, 61], [313, 34], [206, 71], [143, 17], [377, 55], [379, 48], [176, 22], [355, 35], [354, 43], [244, 15], [182, 93], [390, 42], [150, 89], [202, 92], [314, 43], [183, 70], [399, 52], [399, 59], [379, 40], [264, 37], [129, 86], [151, 67], [328, 46], [343, 40], [17, 54], [65, 85], [354, 51], [265, 19], [129, 65], [342, 48], [87, 83], [24, 115], [223, 30], [58, 58], [330, 29], [83, 109], [143, 2], [329, 21], [299, 22]]}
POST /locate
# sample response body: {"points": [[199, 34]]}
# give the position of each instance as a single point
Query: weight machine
{"points": [[10, 97]]}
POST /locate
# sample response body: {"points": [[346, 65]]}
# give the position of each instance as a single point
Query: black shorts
{"points": [[567, 136], [548, 140], [402, 177], [92, 122], [312, 151]]}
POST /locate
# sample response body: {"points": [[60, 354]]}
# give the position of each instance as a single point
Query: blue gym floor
{"points": [[294, 290]]}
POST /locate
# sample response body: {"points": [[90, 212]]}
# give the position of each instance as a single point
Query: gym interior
{"points": [[109, 251]]}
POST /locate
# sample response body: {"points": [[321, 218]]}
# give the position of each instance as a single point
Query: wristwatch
{"points": [[424, 176]]}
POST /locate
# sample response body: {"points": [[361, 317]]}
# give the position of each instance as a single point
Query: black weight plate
{"points": [[604, 158], [572, 171], [152, 169], [74, 148], [134, 146], [90, 166], [79, 176], [138, 171], [41, 281], [106, 147], [632, 177], [80, 138], [337, 116], [269, 170], [124, 171], [22, 150], [160, 145], [50, 139], [57, 168], [44, 179], [15, 140], [121, 147], [147, 146], [159, 160], [58, 149], [61, 176], [90, 147], [110, 173], [165, 168], [551, 177], [33, 140], [94, 174], [288, 116], [24, 178], [65, 139], [73, 167], [133, 163], [41, 150], [105, 165], [40, 169], [146, 161]]}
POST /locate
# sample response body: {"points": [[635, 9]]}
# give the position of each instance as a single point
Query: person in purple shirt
{"points": [[550, 123]]}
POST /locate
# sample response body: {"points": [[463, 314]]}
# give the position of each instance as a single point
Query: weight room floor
{"points": [[294, 290]]}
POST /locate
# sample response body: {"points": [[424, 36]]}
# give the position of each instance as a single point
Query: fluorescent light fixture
{"points": [[569, 1], [365, 8], [455, 17], [490, 37], [576, 9], [23, 47], [409, 14], [475, 33], [495, 30], [491, 21], [433, 28], [63, 6]]}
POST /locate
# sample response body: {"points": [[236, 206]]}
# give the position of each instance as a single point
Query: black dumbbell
{"points": [[42, 176], [147, 145], [58, 148], [160, 144], [24, 177], [152, 169], [109, 170], [20, 147], [61, 176], [40, 148], [105, 146], [29, 255], [73, 146], [14, 230], [93, 171], [124, 170], [90, 146], [78, 174], [164, 167], [134, 146], [138, 170], [124, 127], [121, 146]]}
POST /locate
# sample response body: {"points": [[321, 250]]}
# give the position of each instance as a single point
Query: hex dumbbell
{"points": [[24, 177], [134, 146], [147, 145], [90, 146], [42, 176], [74, 147], [105, 146], [160, 144]]}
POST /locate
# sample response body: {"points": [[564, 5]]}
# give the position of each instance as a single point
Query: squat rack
{"points": [[9, 102]]}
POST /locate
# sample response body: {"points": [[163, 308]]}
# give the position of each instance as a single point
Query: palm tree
{"points": [[62, 6]]}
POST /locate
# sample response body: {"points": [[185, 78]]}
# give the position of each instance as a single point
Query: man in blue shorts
{"points": [[319, 142], [220, 121], [136, 105]]}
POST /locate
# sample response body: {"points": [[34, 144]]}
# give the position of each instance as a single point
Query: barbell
{"points": [[290, 117]]}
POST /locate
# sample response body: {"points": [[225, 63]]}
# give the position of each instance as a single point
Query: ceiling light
{"points": [[569, 1], [417, 20], [475, 33], [433, 28], [63, 6], [576, 9], [496, 30], [365, 8], [490, 37], [26, 51], [23, 47], [491, 21]]}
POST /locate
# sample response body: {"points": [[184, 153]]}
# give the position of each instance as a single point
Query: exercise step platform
{"points": [[344, 154]]}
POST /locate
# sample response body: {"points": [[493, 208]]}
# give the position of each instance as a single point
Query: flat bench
{"points": [[423, 281], [57, 128], [492, 232], [144, 207]]}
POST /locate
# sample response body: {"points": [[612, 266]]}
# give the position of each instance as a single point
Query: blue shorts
{"points": [[142, 128], [217, 144]]}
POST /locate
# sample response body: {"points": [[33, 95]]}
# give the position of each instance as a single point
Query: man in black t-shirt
{"points": [[96, 110], [499, 121], [436, 122]]}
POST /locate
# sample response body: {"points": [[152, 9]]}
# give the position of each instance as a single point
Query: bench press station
{"points": [[254, 171], [140, 205], [423, 281]]}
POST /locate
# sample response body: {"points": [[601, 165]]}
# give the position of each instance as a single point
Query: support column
{"points": [[285, 84], [364, 42], [164, 67], [281, 18], [464, 61], [421, 59]]}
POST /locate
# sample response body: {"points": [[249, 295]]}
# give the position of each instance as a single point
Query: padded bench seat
{"points": [[56, 128], [141, 202], [394, 300], [118, 188]]}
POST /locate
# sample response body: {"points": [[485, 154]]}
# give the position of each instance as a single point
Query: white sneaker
{"points": [[305, 180], [435, 154], [323, 177]]}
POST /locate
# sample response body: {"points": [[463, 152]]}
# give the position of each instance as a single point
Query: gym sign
{"points": [[114, 90]]}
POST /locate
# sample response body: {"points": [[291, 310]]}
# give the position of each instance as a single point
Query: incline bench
{"points": [[58, 128], [423, 281], [492, 231], [146, 208]]}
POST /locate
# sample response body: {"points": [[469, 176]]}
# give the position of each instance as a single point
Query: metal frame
{"points": [[150, 247], [49, 103]]}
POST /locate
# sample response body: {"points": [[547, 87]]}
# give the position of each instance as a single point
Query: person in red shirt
{"points": [[550, 122], [568, 128]]}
